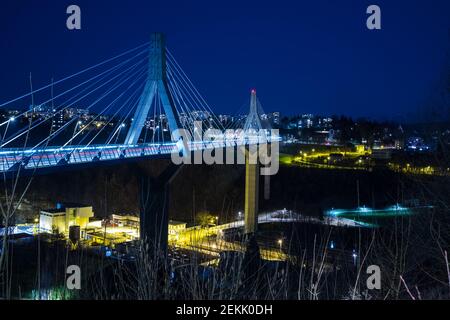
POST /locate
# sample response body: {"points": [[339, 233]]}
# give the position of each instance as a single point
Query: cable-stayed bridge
{"points": [[129, 106]]}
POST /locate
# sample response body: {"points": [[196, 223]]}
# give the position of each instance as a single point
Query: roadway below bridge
{"points": [[209, 240]]}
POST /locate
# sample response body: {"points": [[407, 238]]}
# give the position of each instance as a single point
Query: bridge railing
{"points": [[11, 159]]}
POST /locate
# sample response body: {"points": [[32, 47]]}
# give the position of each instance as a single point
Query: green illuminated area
{"points": [[375, 217]]}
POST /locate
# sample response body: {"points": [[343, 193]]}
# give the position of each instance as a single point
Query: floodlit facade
{"points": [[59, 220], [125, 221], [176, 227]]}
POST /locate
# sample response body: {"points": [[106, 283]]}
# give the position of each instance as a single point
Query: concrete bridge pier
{"points": [[251, 194], [154, 210]]}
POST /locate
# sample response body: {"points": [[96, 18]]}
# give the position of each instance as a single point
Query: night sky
{"points": [[301, 56]]}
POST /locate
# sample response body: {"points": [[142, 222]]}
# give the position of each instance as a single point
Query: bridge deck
{"points": [[13, 159]]}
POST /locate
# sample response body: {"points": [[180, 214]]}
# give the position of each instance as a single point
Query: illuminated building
{"points": [[58, 120], [417, 144], [40, 112], [399, 144], [125, 221], [360, 148], [69, 113], [276, 118], [59, 220], [176, 227], [126, 227]]}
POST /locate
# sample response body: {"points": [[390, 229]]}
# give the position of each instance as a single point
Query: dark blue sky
{"points": [[302, 56]]}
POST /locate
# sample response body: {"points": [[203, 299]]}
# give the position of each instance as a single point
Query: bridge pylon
{"points": [[251, 127], [251, 194], [156, 87], [253, 122]]}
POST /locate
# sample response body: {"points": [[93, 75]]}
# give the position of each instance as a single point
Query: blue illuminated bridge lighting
{"points": [[10, 159]]}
